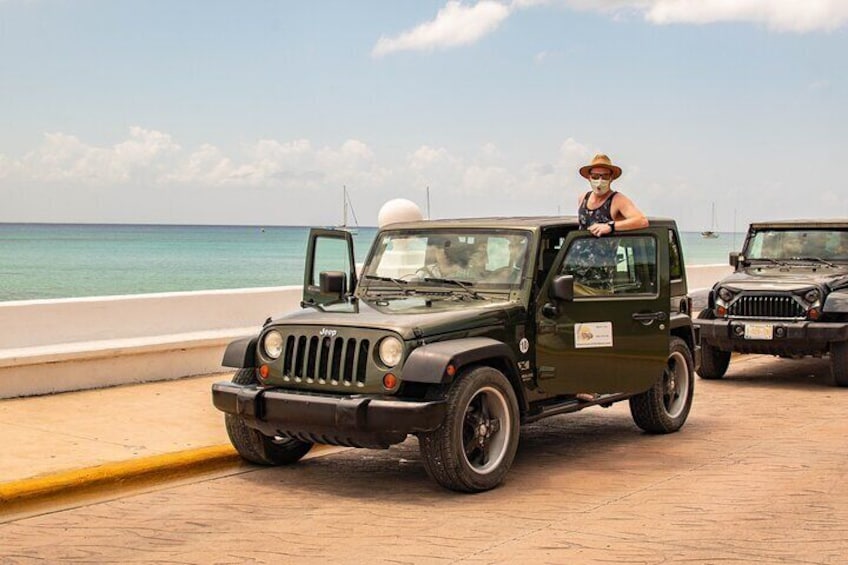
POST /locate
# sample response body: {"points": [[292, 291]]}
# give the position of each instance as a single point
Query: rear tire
{"points": [[255, 446], [714, 361], [839, 362], [474, 447], [665, 406]]}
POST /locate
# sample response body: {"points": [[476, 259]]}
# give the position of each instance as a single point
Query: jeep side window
{"points": [[612, 265], [675, 269], [330, 255]]}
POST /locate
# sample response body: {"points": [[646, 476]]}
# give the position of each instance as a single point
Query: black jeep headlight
{"points": [[272, 344], [725, 294], [812, 295], [390, 351]]}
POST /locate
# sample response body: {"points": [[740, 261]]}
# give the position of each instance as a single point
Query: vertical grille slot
{"points": [[362, 361], [350, 353], [336, 365], [288, 355], [323, 369], [766, 306], [300, 357], [310, 359]]}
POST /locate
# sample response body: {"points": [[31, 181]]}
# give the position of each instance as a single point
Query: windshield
{"points": [[495, 260], [829, 245]]}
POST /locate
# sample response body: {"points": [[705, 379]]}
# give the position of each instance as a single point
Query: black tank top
{"points": [[600, 215]]}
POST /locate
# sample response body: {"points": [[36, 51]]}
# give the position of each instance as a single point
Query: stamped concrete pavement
{"points": [[757, 474]]}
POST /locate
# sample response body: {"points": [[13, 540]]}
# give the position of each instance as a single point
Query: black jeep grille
{"points": [[325, 359], [766, 306]]}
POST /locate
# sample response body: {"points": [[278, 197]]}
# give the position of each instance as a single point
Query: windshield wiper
{"points": [[813, 258], [775, 261], [463, 285], [398, 282]]}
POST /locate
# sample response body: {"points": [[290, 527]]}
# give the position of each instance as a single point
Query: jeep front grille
{"points": [[766, 306], [324, 359]]}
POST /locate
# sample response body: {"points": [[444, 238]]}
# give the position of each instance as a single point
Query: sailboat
{"points": [[348, 205], [711, 233]]}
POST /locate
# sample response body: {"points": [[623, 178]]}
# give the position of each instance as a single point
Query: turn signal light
{"points": [[451, 370], [389, 381], [264, 371], [813, 313], [721, 311]]}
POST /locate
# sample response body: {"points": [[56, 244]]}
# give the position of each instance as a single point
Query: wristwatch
{"points": [[611, 224]]}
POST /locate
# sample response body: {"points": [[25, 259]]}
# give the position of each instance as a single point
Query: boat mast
{"points": [[344, 206], [428, 202]]}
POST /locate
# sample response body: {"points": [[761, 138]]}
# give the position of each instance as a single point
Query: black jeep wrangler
{"points": [[788, 296], [459, 332]]}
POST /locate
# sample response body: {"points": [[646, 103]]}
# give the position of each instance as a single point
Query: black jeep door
{"points": [[328, 250], [613, 335]]}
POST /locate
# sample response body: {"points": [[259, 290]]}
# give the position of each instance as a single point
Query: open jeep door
{"points": [[330, 272], [603, 314]]}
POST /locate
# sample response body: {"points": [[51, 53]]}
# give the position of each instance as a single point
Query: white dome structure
{"points": [[398, 210]]}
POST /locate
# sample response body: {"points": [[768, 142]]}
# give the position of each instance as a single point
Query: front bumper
{"points": [[790, 338], [357, 421]]}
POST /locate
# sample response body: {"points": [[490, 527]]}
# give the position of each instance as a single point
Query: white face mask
{"points": [[600, 186]]}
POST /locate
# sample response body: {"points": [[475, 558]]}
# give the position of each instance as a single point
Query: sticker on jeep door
{"points": [[594, 334]]}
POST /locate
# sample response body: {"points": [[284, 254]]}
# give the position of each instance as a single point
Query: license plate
{"points": [[759, 331]]}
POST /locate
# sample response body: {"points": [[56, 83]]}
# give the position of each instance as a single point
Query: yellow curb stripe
{"points": [[134, 470]]}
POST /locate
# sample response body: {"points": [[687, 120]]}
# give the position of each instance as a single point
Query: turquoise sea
{"points": [[72, 260]]}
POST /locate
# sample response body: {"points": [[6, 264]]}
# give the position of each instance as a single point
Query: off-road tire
{"points": [[444, 450], [665, 406], [714, 361], [255, 446], [839, 362]]}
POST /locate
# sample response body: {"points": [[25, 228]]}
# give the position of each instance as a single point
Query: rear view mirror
{"points": [[562, 287], [333, 283], [734, 259]]}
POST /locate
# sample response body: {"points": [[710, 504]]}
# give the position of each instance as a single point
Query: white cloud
{"points": [[151, 157], [459, 24], [481, 180], [454, 25]]}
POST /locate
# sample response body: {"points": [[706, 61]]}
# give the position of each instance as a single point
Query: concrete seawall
{"points": [[49, 346], [59, 345]]}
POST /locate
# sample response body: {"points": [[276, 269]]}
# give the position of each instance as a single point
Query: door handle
{"points": [[648, 317]]}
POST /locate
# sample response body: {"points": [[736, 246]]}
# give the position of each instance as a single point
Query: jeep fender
{"points": [[241, 354], [428, 363], [836, 302]]}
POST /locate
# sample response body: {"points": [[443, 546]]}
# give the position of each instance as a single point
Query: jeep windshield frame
{"points": [[448, 260], [819, 245]]}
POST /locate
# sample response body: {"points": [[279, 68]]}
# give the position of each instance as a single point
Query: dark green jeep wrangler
{"points": [[788, 296], [459, 332]]}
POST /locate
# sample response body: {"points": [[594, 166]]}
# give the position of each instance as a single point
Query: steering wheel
{"points": [[420, 273], [504, 274]]}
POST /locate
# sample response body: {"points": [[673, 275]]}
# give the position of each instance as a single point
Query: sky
{"points": [[259, 113]]}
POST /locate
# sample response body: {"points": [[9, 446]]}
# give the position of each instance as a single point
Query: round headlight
{"points": [[391, 351], [272, 344], [725, 294], [812, 295]]}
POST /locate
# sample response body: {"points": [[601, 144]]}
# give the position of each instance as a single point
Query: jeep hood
{"points": [[786, 279], [406, 316]]}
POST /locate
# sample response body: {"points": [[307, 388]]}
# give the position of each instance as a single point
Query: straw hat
{"points": [[600, 160]]}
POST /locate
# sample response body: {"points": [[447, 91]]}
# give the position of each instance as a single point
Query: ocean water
{"points": [[73, 260]]}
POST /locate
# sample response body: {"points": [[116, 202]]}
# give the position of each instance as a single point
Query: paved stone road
{"points": [[758, 474]]}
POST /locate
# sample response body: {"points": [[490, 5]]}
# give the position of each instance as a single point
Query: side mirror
{"points": [[734, 259], [332, 283], [562, 287]]}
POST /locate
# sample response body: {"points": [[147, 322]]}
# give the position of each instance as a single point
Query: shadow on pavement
{"points": [[776, 372], [553, 447]]}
